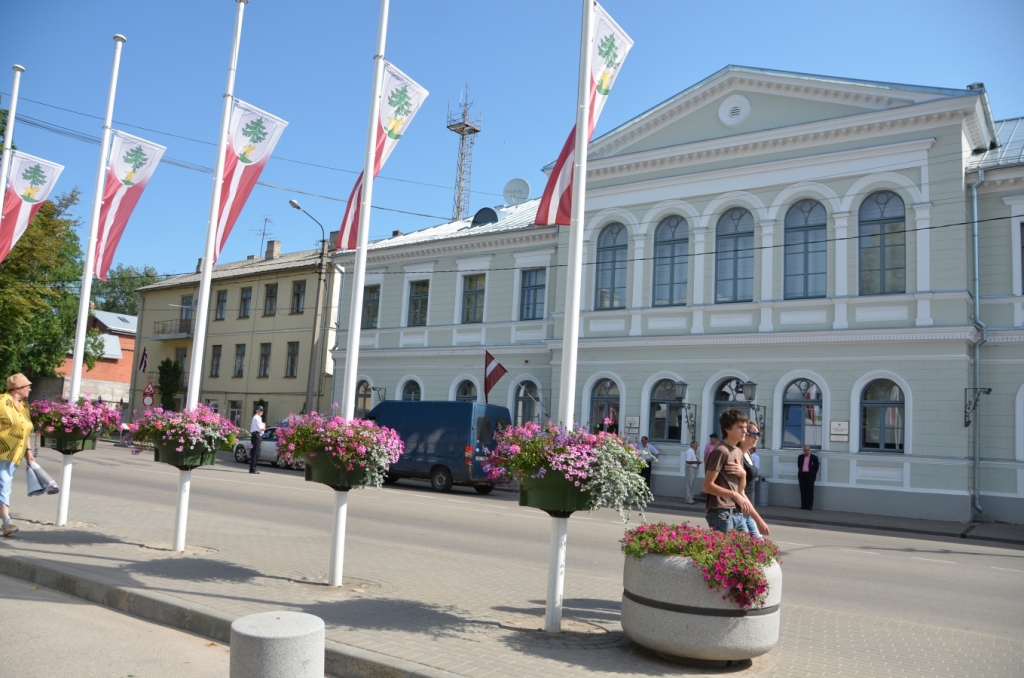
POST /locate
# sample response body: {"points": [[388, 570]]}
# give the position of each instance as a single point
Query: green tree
{"points": [[117, 293], [399, 98], [41, 279], [136, 158], [608, 50], [168, 382], [34, 175], [255, 131]]}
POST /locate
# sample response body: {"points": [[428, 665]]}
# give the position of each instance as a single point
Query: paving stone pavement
{"points": [[419, 591]]}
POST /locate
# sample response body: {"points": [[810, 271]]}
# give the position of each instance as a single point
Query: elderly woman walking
{"points": [[15, 429]]}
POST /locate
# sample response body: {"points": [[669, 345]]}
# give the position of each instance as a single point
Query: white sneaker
{"points": [[9, 529]]}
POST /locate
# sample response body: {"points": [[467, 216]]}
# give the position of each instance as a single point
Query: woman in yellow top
{"points": [[15, 429]]}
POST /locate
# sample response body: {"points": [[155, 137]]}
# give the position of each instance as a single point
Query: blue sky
{"points": [[311, 64]]}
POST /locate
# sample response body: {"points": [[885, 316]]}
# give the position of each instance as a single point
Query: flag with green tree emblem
{"points": [[609, 45], [29, 182], [401, 97], [132, 163], [252, 135]]}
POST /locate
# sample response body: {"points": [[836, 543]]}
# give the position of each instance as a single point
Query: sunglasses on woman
{"points": [[754, 434]]}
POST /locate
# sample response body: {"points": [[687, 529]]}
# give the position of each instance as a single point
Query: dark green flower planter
{"points": [[188, 459], [321, 469], [69, 443], [553, 494]]}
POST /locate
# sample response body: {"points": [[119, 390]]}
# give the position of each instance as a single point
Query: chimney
{"points": [[332, 241], [395, 233], [273, 249], [199, 265], [252, 257]]}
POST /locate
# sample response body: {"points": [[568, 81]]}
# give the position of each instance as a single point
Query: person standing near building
{"points": [[15, 429], [649, 453], [692, 466], [750, 472], [807, 470], [710, 447], [256, 429], [724, 479]]}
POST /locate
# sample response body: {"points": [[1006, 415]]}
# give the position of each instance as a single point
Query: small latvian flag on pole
{"points": [[493, 371]]}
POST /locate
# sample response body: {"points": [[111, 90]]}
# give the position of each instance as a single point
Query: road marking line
{"points": [[1006, 569], [866, 553], [791, 543], [933, 560]]}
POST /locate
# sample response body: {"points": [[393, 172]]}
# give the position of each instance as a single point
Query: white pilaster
{"points": [[922, 224], [1016, 203], [767, 272], [842, 276]]}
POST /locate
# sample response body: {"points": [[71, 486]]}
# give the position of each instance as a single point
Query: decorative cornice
{"points": [[526, 236], [474, 351]]}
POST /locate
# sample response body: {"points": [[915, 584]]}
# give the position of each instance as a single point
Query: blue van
{"points": [[445, 442]]}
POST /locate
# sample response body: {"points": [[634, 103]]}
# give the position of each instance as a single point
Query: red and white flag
{"points": [[609, 45], [493, 371], [252, 136], [132, 162], [401, 97], [28, 185]]}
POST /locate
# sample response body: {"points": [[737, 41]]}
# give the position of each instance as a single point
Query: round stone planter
{"points": [[554, 494], [166, 453], [321, 469], [70, 443], [669, 608]]}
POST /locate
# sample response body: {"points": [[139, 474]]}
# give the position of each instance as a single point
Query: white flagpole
{"points": [[5, 165], [571, 331], [81, 328], [348, 393], [203, 304]]}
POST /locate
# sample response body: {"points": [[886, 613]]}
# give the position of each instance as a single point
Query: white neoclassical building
{"points": [[808, 238]]}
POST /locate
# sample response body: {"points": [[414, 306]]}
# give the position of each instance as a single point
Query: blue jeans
{"points": [[751, 526], [7, 469], [724, 520]]}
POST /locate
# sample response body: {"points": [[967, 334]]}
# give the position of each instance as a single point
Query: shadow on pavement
{"points": [[585, 609], [65, 537], [404, 616], [192, 569]]}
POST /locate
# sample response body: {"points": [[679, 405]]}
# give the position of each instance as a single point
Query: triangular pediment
{"points": [[739, 100]]}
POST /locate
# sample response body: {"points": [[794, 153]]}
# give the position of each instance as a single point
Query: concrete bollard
{"points": [[277, 645]]}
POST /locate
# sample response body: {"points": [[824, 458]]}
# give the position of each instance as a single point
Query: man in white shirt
{"points": [[649, 453], [692, 466], [256, 429]]}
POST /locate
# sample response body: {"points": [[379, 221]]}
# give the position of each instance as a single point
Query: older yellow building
{"points": [[260, 335]]}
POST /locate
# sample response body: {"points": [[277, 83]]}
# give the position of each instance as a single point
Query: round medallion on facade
{"points": [[734, 110]]}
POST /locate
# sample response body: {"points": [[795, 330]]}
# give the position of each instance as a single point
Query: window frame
{"points": [[263, 371], [371, 304], [882, 406], [364, 399], [270, 300], [298, 297], [788, 403], [461, 397], [613, 406], [525, 404], [473, 299], [238, 371], [532, 295], [406, 391], [675, 243], [673, 408], [882, 235], [419, 304], [245, 302], [612, 260], [291, 366], [805, 231], [216, 352], [221, 305], [736, 255]]}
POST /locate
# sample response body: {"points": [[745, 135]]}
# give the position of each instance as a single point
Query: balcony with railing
{"points": [[173, 329]]}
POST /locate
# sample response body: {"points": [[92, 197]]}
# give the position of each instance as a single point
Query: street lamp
{"points": [[296, 205], [971, 398], [689, 410], [316, 350], [760, 411]]}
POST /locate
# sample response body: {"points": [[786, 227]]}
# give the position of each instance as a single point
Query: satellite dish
{"points": [[517, 192]]}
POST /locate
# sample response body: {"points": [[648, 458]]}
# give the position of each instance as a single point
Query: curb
{"points": [[965, 534], [339, 659]]}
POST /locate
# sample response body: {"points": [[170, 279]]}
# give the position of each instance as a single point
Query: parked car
{"points": [[268, 451], [445, 442]]}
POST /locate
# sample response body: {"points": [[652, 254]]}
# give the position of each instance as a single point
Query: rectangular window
{"points": [[222, 305], [239, 360], [264, 370], [180, 356], [473, 298], [371, 306], [531, 301], [185, 321], [805, 263], [270, 300], [298, 296], [245, 303], [735, 268], [291, 366], [883, 258], [235, 411], [611, 277], [215, 353], [213, 405], [671, 264], [419, 292]]}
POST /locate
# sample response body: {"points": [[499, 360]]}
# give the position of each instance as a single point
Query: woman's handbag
{"points": [[39, 481]]}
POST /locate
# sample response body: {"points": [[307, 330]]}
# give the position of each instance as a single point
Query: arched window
{"points": [[604, 406], [364, 399], [805, 251], [527, 401], [881, 417], [883, 244], [666, 413], [802, 415], [734, 258], [671, 254], [611, 267], [729, 395], [466, 392], [411, 391]]}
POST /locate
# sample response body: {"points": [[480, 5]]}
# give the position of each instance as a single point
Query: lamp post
{"points": [[689, 409], [760, 411], [316, 350]]}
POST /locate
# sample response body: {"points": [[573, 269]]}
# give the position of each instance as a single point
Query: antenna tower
{"points": [[467, 128]]}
